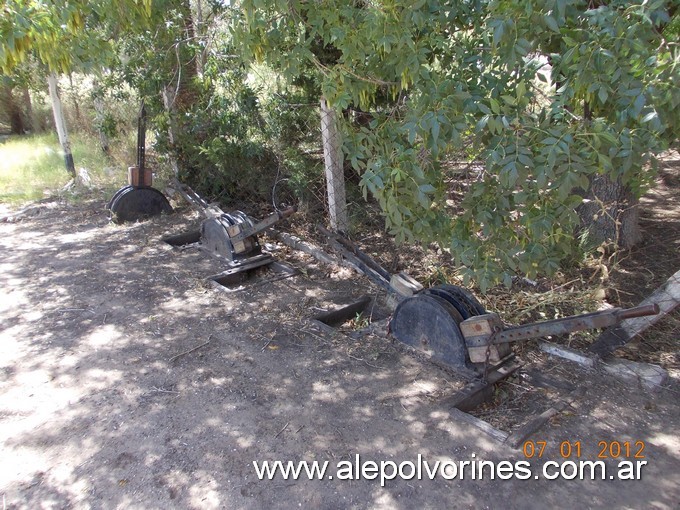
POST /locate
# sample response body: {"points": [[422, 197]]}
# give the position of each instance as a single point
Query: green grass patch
{"points": [[32, 167]]}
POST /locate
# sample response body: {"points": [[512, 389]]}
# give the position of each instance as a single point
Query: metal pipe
{"points": [[141, 146]]}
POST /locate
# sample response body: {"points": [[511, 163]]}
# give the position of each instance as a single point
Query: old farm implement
{"points": [[230, 237], [138, 199], [448, 324]]}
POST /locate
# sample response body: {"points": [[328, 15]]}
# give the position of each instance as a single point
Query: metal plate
{"points": [[215, 239], [426, 323], [132, 203], [463, 300]]}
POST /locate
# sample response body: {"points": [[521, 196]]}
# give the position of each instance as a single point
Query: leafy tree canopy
{"points": [[505, 80], [65, 34]]}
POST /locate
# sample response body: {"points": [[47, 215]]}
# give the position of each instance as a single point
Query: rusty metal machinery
{"points": [[138, 199], [485, 335], [231, 237], [449, 325]]}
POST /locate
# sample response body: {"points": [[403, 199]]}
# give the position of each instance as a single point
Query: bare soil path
{"points": [[96, 413]]}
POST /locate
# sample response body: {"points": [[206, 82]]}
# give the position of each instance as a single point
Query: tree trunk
{"points": [[28, 109], [9, 104], [168, 102], [76, 100], [60, 124], [186, 95], [100, 117], [200, 33], [181, 95], [335, 175], [610, 214]]}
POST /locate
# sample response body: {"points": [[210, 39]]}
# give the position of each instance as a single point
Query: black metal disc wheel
{"points": [[132, 203], [429, 324], [463, 300]]}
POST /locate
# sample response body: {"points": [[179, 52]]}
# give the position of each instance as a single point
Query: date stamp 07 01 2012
{"points": [[575, 449]]}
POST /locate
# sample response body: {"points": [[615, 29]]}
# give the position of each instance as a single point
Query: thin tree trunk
{"points": [[10, 106], [200, 32], [335, 175], [60, 124], [186, 94], [168, 95], [181, 95], [28, 109], [100, 116], [76, 99], [610, 214]]}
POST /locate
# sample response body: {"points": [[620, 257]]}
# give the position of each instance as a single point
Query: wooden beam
{"points": [[527, 429], [497, 434], [298, 244], [667, 297], [360, 263], [583, 358], [477, 392]]}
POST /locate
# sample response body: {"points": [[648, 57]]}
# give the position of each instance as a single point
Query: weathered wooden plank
{"points": [[525, 431], [354, 249], [577, 356], [298, 244], [359, 264], [499, 435], [667, 297], [648, 375], [478, 392], [405, 285]]}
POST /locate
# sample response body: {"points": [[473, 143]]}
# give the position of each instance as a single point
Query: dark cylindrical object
{"points": [[638, 311], [141, 147]]}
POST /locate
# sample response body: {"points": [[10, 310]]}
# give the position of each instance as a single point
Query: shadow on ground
{"points": [[106, 401]]}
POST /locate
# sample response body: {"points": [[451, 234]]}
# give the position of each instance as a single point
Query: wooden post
{"points": [[60, 124], [335, 176]]}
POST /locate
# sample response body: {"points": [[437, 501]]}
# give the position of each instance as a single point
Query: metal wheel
{"points": [[429, 324], [463, 300], [132, 203]]}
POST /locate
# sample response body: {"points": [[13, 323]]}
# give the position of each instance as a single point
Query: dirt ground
{"points": [[128, 381]]}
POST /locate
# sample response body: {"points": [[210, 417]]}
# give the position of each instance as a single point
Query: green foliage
{"points": [[31, 168], [471, 71], [65, 34], [291, 120], [29, 165]]}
